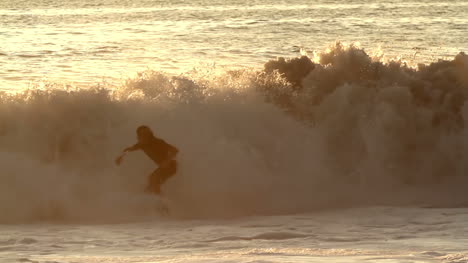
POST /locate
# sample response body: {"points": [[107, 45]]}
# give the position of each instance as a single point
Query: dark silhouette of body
{"points": [[161, 152]]}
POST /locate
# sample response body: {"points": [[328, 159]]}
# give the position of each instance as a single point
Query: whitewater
{"points": [[294, 147]]}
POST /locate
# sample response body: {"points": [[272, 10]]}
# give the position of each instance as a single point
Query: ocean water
{"points": [[297, 143], [384, 235], [90, 41]]}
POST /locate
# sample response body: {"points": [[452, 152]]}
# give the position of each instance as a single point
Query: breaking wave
{"points": [[339, 130]]}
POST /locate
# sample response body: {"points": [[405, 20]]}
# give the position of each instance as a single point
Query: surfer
{"points": [[161, 152]]}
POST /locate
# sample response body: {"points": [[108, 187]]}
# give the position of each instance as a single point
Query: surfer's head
{"points": [[144, 133]]}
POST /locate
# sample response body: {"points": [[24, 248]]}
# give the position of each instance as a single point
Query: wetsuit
{"points": [[158, 150]]}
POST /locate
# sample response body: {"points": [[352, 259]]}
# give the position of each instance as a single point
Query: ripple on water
{"points": [[264, 236], [26, 260], [28, 241], [7, 242]]}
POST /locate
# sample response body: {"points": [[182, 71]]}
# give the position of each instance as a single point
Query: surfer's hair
{"points": [[143, 129]]}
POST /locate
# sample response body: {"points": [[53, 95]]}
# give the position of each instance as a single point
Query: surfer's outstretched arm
{"points": [[119, 159], [132, 148]]}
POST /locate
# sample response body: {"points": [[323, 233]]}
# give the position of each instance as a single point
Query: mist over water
{"points": [[344, 129]]}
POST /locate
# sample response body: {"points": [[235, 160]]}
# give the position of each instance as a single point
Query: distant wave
{"points": [[340, 130]]}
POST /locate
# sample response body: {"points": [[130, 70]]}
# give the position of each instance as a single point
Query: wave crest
{"points": [[297, 136]]}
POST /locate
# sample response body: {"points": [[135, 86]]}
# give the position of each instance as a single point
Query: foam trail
{"points": [[349, 130]]}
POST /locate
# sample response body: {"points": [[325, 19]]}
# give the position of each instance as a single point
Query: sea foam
{"points": [[299, 135]]}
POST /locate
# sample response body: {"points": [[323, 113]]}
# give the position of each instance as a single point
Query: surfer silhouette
{"points": [[161, 152]]}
